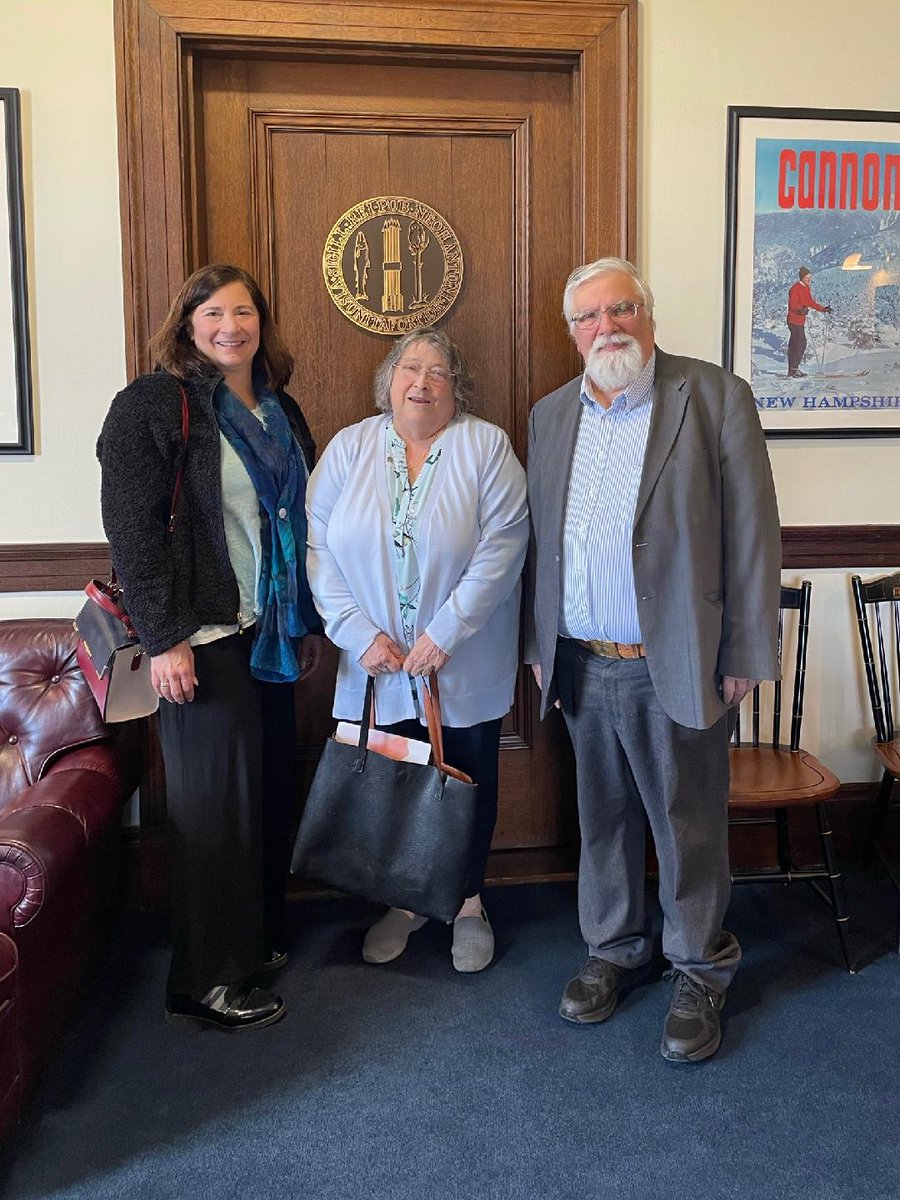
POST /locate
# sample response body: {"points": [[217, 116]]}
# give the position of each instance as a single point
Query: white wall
{"points": [[699, 56], [60, 55], [696, 58]]}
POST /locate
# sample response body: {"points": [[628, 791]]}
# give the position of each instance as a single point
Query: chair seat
{"points": [[888, 753], [763, 777]]}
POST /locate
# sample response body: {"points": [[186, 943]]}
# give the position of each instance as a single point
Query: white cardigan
{"points": [[473, 533]]}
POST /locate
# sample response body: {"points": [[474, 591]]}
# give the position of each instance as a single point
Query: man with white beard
{"points": [[651, 610]]}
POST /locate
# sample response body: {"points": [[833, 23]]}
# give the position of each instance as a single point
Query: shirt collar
{"points": [[635, 394]]}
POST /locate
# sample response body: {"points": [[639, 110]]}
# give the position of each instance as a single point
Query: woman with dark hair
{"points": [[222, 604], [417, 533]]}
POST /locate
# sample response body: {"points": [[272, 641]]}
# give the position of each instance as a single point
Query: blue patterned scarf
{"points": [[277, 471]]}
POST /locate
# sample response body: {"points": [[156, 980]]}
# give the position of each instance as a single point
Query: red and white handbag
{"points": [[111, 657]]}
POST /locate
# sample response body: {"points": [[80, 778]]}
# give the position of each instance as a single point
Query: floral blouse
{"points": [[407, 500]]}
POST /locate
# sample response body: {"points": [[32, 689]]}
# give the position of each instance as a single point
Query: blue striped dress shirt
{"points": [[596, 572]]}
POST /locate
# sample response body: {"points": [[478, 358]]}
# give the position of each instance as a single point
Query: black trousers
{"points": [[230, 792], [475, 750], [796, 346]]}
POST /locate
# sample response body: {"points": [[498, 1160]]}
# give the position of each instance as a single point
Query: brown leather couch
{"points": [[64, 777]]}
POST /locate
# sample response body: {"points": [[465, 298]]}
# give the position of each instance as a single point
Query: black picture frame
{"points": [[804, 187], [16, 398]]}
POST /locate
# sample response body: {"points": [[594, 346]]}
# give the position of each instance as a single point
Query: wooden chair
{"points": [[770, 779], [878, 612]]}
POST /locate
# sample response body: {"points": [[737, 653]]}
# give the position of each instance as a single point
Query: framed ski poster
{"points": [[812, 268]]}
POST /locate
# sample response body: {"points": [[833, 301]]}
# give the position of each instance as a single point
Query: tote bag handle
{"points": [[435, 733]]}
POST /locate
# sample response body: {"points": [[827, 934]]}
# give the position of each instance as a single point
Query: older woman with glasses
{"points": [[417, 534]]}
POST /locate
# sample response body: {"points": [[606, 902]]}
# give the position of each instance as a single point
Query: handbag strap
{"points": [[362, 746], [102, 596], [106, 597], [435, 728], [433, 717], [179, 477]]}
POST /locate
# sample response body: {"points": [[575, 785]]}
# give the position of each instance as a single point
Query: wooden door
{"points": [[504, 140]]}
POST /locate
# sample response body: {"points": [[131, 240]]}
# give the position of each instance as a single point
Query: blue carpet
{"points": [[408, 1081]]}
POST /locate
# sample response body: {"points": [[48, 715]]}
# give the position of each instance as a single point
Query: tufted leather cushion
{"points": [[45, 704]]}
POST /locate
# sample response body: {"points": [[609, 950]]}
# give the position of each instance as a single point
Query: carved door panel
{"points": [[248, 130], [288, 147]]}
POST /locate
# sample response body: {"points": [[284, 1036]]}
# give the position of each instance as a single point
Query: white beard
{"points": [[614, 370]]}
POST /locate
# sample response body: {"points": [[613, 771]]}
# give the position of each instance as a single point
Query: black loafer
{"points": [[276, 960], [236, 1007], [693, 1028], [593, 994]]}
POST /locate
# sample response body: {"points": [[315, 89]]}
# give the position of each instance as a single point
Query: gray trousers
{"points": [[633, 761]]}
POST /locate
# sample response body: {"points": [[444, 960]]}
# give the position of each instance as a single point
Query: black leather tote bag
{"points": [[396, 832]]}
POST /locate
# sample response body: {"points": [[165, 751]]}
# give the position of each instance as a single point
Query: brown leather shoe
{"points": [[593, 994], [238, 1006], [693, 1028]]}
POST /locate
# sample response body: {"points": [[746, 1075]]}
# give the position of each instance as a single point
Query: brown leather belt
{"points": [[612, 649]]}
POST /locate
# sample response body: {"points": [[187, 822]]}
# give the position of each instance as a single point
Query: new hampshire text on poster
{"points": [[826, 279]]}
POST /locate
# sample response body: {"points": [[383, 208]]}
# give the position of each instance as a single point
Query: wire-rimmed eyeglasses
{"points": [[412, 370], [622, 310]]}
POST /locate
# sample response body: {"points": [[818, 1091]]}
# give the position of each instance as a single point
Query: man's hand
{"points": [[538, 679], [734, 690], [384, 655], [311, 647], [426, 656], [172, 673]]}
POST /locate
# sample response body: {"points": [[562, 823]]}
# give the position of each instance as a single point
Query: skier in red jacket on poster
{"points": [[800, 301]]}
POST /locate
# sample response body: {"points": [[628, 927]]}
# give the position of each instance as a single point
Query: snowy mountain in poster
{"points": [[854, 257]]}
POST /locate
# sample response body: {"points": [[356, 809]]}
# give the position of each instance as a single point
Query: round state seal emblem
{"points": [[391, 264]]}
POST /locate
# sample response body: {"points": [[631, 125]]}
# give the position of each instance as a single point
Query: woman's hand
{"points": [[172, 673], [383, 655], [425, 657], [311, 647]]}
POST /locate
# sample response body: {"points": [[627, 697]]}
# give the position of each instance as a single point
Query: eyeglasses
{"points": [[624, 310], [412, 370]]}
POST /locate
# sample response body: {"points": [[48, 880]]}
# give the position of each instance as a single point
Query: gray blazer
{"points": [[707, 547]]}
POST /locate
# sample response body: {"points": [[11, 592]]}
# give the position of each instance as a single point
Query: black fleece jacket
{"points": [[173, 583]]}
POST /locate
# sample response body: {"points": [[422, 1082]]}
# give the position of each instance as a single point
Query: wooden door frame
{"points": [[156, 44]]}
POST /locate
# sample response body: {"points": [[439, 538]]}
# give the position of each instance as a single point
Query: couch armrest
{"points": [[120, 756], [92, 797], [43, 842], [10, 1051]]}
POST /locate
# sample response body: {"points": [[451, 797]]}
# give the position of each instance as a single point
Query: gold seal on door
{"points": [[392, 264]]}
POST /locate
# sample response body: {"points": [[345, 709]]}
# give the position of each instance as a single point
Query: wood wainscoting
{"points": [[67, 566]]}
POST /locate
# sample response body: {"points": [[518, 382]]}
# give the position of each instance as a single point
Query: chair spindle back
{"points": [[792, 599], [877, 603]]}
